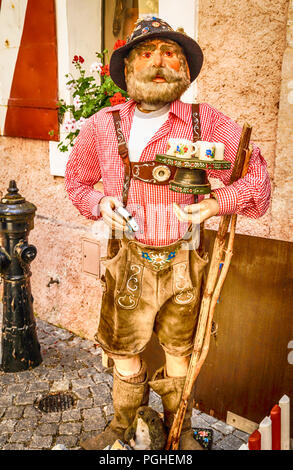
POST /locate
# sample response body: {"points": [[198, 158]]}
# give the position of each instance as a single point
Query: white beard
{"points": [[155, 94]]}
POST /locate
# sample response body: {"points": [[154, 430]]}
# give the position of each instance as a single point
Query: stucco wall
{"points": [[282, 214], [74, 302], [244, 42], [242, 73]]}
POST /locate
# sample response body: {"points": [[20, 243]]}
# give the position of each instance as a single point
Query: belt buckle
{"points": [[161, 173]]}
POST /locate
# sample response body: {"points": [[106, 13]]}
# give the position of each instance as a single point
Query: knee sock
{"points": [[166, 376], [135, 378]]}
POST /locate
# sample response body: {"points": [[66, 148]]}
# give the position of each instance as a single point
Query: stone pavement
{"points": [[71, 363]]}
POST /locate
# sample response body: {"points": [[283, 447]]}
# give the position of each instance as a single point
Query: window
{"points": [[120, 16]]}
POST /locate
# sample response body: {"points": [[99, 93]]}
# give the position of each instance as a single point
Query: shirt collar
{"points": [[124, 108], [180, 110]]}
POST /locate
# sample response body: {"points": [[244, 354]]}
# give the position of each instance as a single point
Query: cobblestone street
{"points": [[73, 364]]}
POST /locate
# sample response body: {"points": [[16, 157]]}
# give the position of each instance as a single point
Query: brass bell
{"points": [[191, 174], [190, 181]]}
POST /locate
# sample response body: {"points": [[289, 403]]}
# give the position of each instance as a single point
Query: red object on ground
{"points": [[254, 441], [276, 427]]}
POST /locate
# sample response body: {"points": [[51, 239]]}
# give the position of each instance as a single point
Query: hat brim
{"points": [[192, 50]]}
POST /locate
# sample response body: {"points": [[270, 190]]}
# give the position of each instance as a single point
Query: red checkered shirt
{"points": [[95, 157]]}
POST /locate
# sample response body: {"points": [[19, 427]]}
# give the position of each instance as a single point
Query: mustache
{"points": [[151, 72]]}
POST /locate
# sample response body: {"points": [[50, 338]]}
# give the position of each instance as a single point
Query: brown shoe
{"points": [[170, 389], [127, 397]]}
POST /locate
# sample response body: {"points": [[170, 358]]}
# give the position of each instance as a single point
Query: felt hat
{"points": [[148, 28]]}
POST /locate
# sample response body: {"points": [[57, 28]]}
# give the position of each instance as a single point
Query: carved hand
{"points": [[197, 213], [107, 206]]}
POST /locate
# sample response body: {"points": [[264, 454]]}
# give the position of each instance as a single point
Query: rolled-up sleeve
{"points": [[250, 195], [83, 171]]}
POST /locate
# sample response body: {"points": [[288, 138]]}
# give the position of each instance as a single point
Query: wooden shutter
{"points": [[32, 105]]}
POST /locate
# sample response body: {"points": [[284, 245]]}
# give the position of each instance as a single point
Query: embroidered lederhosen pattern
{"points": [[158, 260], [182, 286], [129, 296]]}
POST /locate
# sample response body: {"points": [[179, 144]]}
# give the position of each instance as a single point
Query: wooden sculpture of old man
{"points": [[152, 280]]}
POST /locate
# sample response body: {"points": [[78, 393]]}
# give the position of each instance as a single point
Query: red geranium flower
{"points": [[119, 43], [117, 99], [77, 58], [105, 70]]}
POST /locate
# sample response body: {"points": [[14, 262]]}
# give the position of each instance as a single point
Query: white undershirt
{"points": [[144, 126]]}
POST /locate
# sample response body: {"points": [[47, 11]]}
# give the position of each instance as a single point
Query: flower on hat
{"points": [[119, 43], [139, 20], [148, 18]]}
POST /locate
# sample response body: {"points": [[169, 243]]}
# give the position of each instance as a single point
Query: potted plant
{"points": [[89, 93]]}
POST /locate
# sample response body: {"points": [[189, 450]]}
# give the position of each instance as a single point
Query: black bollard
{"points": [[20, 346]]}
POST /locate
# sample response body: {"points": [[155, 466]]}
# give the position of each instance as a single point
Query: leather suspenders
{"points": [[123, 152], [196, 122], [149, 172]]}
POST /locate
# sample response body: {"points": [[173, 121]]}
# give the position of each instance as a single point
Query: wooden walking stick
{"points": [[211, 293]]}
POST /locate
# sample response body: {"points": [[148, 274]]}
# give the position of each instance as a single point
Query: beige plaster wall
{"points": [[244, 42], [74, 301], [282, 215]]}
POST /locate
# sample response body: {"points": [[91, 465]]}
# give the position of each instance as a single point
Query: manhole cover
{"points": [[56, 402]]}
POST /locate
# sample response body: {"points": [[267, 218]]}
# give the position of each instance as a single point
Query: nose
{"points": [[157, 59]]}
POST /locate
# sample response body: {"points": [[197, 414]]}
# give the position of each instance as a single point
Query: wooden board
{"points": [[241, 423], [247, 368]]}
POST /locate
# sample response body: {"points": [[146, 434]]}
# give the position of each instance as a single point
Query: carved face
{"points": [[156, 72]]}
